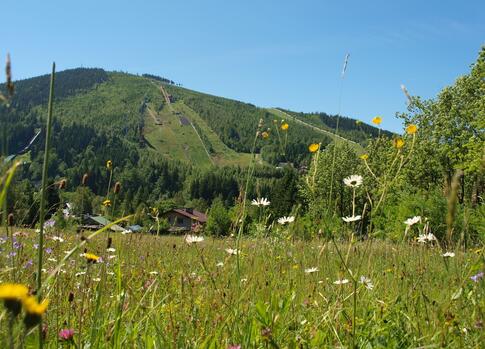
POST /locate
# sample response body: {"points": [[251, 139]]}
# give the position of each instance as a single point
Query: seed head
{"points": [[117, 187]]}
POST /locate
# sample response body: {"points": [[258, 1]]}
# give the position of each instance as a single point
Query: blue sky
{"points": [[269, 53]]}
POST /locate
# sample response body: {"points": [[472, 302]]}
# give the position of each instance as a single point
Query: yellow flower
{"points": [[284, 126], [377, 120], [91, 258], [107, 203], [398, 143], [31, 305], [411, 129], [109, 164], [12, 296], [313, 147], [34, 311], [13, 292], [364, 156], [265, 135]]}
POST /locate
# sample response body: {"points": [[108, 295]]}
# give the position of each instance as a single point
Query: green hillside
{"points": [[151, 115]]}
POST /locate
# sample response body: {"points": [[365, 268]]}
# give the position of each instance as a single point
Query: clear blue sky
{"points": [[270, 53]]}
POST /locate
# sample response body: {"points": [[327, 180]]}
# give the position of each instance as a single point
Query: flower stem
{"points": [[43, 194]]}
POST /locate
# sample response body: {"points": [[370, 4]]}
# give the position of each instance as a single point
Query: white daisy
{"points": [[311, 270], [448, 254], [96, 279], [411, 221], [349, 219], [193, 239], [220, 264], [284, 220], [260, 202], [353, 181], [111, 249], [232, 251], [80, 273], [366, 282], [423, 238], [341, 282], [126, 231], [57, 238], [153, 272]]}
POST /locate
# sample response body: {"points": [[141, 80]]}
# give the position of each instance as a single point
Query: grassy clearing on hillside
{"points": [[173, 140], [222, 154], [160, 292]]}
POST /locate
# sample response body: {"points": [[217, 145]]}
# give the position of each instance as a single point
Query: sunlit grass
{"points": [[157, 291]]}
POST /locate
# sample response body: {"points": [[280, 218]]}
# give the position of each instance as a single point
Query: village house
{"points": [[184, 219]]}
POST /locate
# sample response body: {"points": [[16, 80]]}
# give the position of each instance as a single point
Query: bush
{"points": [[218, 222]]}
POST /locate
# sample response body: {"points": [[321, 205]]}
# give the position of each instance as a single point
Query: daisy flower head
{"points": [[193, 239], [109, 165], [231, 251], [424, 238], [412, 221], [448, 254], [311, 270], [286, 220], [284, 126], [350, 219], [353, 181], [366, 282], [260, 202], [57, 238], [341, 282]]}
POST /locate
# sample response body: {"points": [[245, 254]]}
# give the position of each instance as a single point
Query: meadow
{"points": [[164, 292], [308, 243]]}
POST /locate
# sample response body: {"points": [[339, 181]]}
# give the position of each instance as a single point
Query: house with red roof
{"points": [[184, 219]]}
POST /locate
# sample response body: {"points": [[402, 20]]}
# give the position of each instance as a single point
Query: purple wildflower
{"points": [[29, 263], [12, 254], [49, 224], [66, 334], [477, 277], [36, 246], [17, 245], [48, 250]]}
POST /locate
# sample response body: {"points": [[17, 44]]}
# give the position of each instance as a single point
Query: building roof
{"points": [[192, 214], [134, 228], [103, 221]]}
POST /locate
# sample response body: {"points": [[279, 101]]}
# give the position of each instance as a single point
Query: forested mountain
{"points": [[166, 142]]}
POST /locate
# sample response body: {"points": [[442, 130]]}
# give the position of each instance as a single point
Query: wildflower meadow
{"points": [[314, 240]]}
